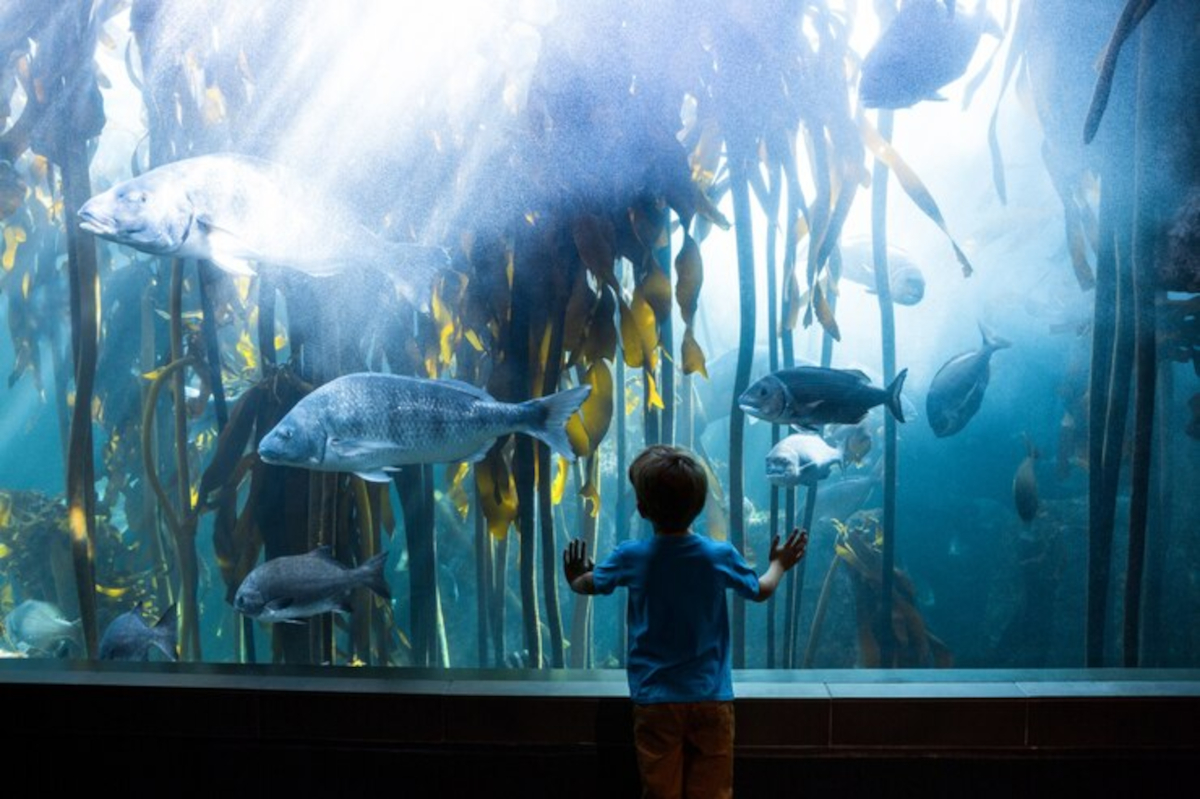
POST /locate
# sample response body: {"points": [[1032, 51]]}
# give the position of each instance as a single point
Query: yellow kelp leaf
{"points": [[474, 340], [281, 341], [14, 236], [600, 341], [448, 292], [5, 550], [591, 498], [497, 493], [632, 398], [693, 356], [656, 288], [26, 284], [213, 108], [689, 272], [559, 486], [579, 310], [241, 284], [825, 313], [631, 339], [587, 428], [911, 184], [112, 592], [458, 494], [594, 239], [653, 398], [246, 349], [5, 509]]}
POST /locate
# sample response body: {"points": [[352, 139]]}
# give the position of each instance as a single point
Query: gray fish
{"points": [[957, 389], [300, 586], [840, 499], [371, 424], [237, 211], [128, 637], [905, 279], [801, 459], [39, 629], [809, 396], [1025, 490], [925, 48]]}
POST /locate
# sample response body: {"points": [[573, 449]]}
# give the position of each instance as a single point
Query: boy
{"points": [[680, 678]]}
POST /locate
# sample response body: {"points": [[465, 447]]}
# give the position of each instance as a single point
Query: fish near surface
{"points": [[906, 281], [957, 389], [238, 211], [925, 48], [128, 637], [810, 396], [371, 424], [801, 459], [297, 587], [1025, 490], [40, 629]]}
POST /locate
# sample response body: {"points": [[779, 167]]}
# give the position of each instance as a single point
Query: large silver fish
{"points": [[370, 424], [801, 459], [239, 212], [810, 396], [297, 587], [923, 49], [39, 629], [957, 389], [128, 637]]}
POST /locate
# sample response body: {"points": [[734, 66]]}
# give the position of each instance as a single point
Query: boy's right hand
{"points": [[575, 560], [792, 550]]}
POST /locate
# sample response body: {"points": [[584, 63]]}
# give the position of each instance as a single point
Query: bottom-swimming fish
{"points": [[1025, 490], [39, 629], [296, 587], [128, 637]]}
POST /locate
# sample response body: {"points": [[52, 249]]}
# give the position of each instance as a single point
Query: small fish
{"points": [[128, 637], [905, 278], [371, 424], [238, 211], [1025, 490], [297, 587], [957, 389], [801, 459], [39, 629], [925, 48], [810, 396]]}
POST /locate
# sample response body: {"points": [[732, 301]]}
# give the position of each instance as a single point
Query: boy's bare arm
{"points": [[782, 559], [578, 567]]}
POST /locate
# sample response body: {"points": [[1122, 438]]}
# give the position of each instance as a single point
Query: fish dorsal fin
{"points": [[859, 374], [168, 617], [324, 552], [467, 388]]}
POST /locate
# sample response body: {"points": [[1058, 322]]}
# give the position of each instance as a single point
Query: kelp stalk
{"points": [[483, 579], [772, 212], [85, 331], [818, 621], [205, 275], [620, 508], [887, 323], [739, 162]]}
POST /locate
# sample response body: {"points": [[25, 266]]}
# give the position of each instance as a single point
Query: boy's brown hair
{"points": [[670, 485]]}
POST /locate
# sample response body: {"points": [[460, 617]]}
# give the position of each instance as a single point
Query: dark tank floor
{"points": [[556, 733]]}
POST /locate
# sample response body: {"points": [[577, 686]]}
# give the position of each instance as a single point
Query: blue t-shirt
{"points": [[677, 619]]}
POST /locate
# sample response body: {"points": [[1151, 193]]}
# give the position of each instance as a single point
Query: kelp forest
{"points": [[599, 174]]}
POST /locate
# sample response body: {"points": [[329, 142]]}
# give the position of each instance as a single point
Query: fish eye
{"points": [[286, 434], [136, 197]]}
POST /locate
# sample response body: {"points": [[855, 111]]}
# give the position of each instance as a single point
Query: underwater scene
{"points": [[328, 325]]}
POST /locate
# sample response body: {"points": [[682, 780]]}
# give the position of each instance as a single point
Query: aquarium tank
{"points": [[329, 324]]}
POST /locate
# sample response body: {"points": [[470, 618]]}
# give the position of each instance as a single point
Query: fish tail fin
{"points": [[553, 413], [893, 400], [165, 635], [991, 341], [414, 269], [373, 578]]}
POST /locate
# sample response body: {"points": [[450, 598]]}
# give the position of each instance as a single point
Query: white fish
{"points": [[239, 212], [801, 459], [40, 629]]}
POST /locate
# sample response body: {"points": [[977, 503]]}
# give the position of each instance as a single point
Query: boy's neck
{"points": [[685, 531]]}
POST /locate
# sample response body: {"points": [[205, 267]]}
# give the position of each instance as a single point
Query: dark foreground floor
{"points": [[232, 732]]}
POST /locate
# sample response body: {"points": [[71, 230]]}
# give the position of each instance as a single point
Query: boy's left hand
{"points": [[792, 549], [576, 563]]}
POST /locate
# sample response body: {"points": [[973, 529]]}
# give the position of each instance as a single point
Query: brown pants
{"points": [[685, 749]]}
